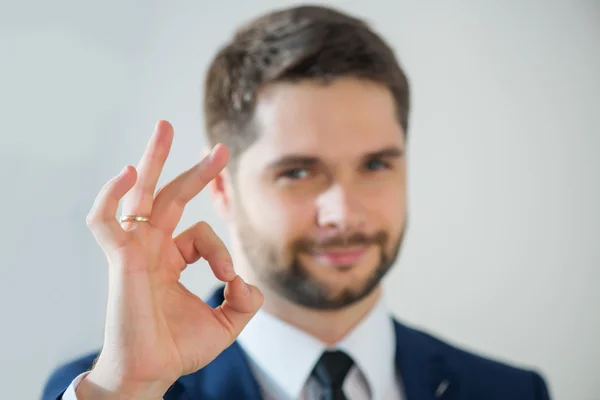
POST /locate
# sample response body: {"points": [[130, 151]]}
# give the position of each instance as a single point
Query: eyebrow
{"points": [[299, 160], [293, 160], [388, 152]]}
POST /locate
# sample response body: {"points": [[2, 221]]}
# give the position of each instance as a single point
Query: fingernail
{"points": [[229, 268], [212, 152], [245, 287]]}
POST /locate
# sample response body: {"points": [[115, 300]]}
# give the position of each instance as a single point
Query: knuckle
{"points": [[160, 190], [204, 228], [180, 202], [226, 323], [105, 190], [145, 195], [94, 219], [91, 219]]}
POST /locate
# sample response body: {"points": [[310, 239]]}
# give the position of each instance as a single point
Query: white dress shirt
{"points": [[282, 358]]}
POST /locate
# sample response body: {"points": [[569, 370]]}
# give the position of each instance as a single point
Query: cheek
{"points": [[284, 218], [387, 207]]}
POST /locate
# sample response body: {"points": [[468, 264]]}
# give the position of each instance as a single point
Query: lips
{"points": [[342, 257]]}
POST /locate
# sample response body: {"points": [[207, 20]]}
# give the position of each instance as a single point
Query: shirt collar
{"points": [[272, 343], [372, 345]]}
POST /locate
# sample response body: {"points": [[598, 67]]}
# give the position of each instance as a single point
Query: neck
{"points": [[328, 326]]}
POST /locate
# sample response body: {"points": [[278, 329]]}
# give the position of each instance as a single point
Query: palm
{"points": [[177, 321], [188, 321]]}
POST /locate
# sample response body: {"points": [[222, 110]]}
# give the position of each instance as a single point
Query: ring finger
{"points": [[140, 198]]}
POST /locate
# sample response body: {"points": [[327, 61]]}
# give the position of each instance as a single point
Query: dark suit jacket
{"points": [[429, 368]]}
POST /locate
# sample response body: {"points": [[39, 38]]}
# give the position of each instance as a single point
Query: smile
{"points": [[341, 256]]}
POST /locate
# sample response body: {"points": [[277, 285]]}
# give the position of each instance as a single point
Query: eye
{"points": [[295, 173], [376, 165]]}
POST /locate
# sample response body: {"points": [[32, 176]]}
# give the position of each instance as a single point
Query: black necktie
{"points": [[330, 371]]}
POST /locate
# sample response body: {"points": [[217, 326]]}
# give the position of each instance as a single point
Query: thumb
{"points": [[242, 302]]}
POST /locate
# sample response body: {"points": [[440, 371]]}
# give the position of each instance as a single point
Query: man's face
{"points": [[320, 197]]}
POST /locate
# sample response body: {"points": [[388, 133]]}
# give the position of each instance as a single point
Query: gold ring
{"points": [[133, 218]]}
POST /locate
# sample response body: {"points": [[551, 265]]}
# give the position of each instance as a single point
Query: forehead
{"points": [[342, 119]]}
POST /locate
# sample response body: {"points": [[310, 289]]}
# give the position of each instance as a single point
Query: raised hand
{"points": [[156, 330]]}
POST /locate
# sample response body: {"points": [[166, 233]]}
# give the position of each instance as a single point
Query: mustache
{"points": [[355, 239]]}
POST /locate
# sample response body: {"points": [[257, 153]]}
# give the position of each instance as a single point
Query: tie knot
{"points": [[332, 368]]}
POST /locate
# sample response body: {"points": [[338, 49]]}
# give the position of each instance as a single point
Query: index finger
{"points": [[172, 199], [201, 241]]}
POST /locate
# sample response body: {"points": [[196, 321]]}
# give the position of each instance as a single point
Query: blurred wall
{"points": [[502, 251]]}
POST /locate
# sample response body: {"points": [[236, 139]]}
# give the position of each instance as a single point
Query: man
{"points": [[308, 108]]}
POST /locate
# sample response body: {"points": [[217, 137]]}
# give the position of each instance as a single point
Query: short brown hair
{"points": [[306, 42]]}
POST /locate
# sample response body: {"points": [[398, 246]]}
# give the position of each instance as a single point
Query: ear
{"points": [[220, 191]]}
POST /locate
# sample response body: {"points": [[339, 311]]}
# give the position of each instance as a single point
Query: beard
{"points": [[291, 278]]}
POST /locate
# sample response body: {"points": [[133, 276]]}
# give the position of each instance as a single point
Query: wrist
{"points": [[98, 385]]}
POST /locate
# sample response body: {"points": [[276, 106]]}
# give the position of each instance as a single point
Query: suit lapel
{"points": [[423, 371], [227, 377]]}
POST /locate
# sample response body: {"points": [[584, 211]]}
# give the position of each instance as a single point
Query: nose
{"points": [[340, 210]]}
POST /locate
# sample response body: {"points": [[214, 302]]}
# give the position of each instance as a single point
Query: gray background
{"points": [[502, 251]]}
